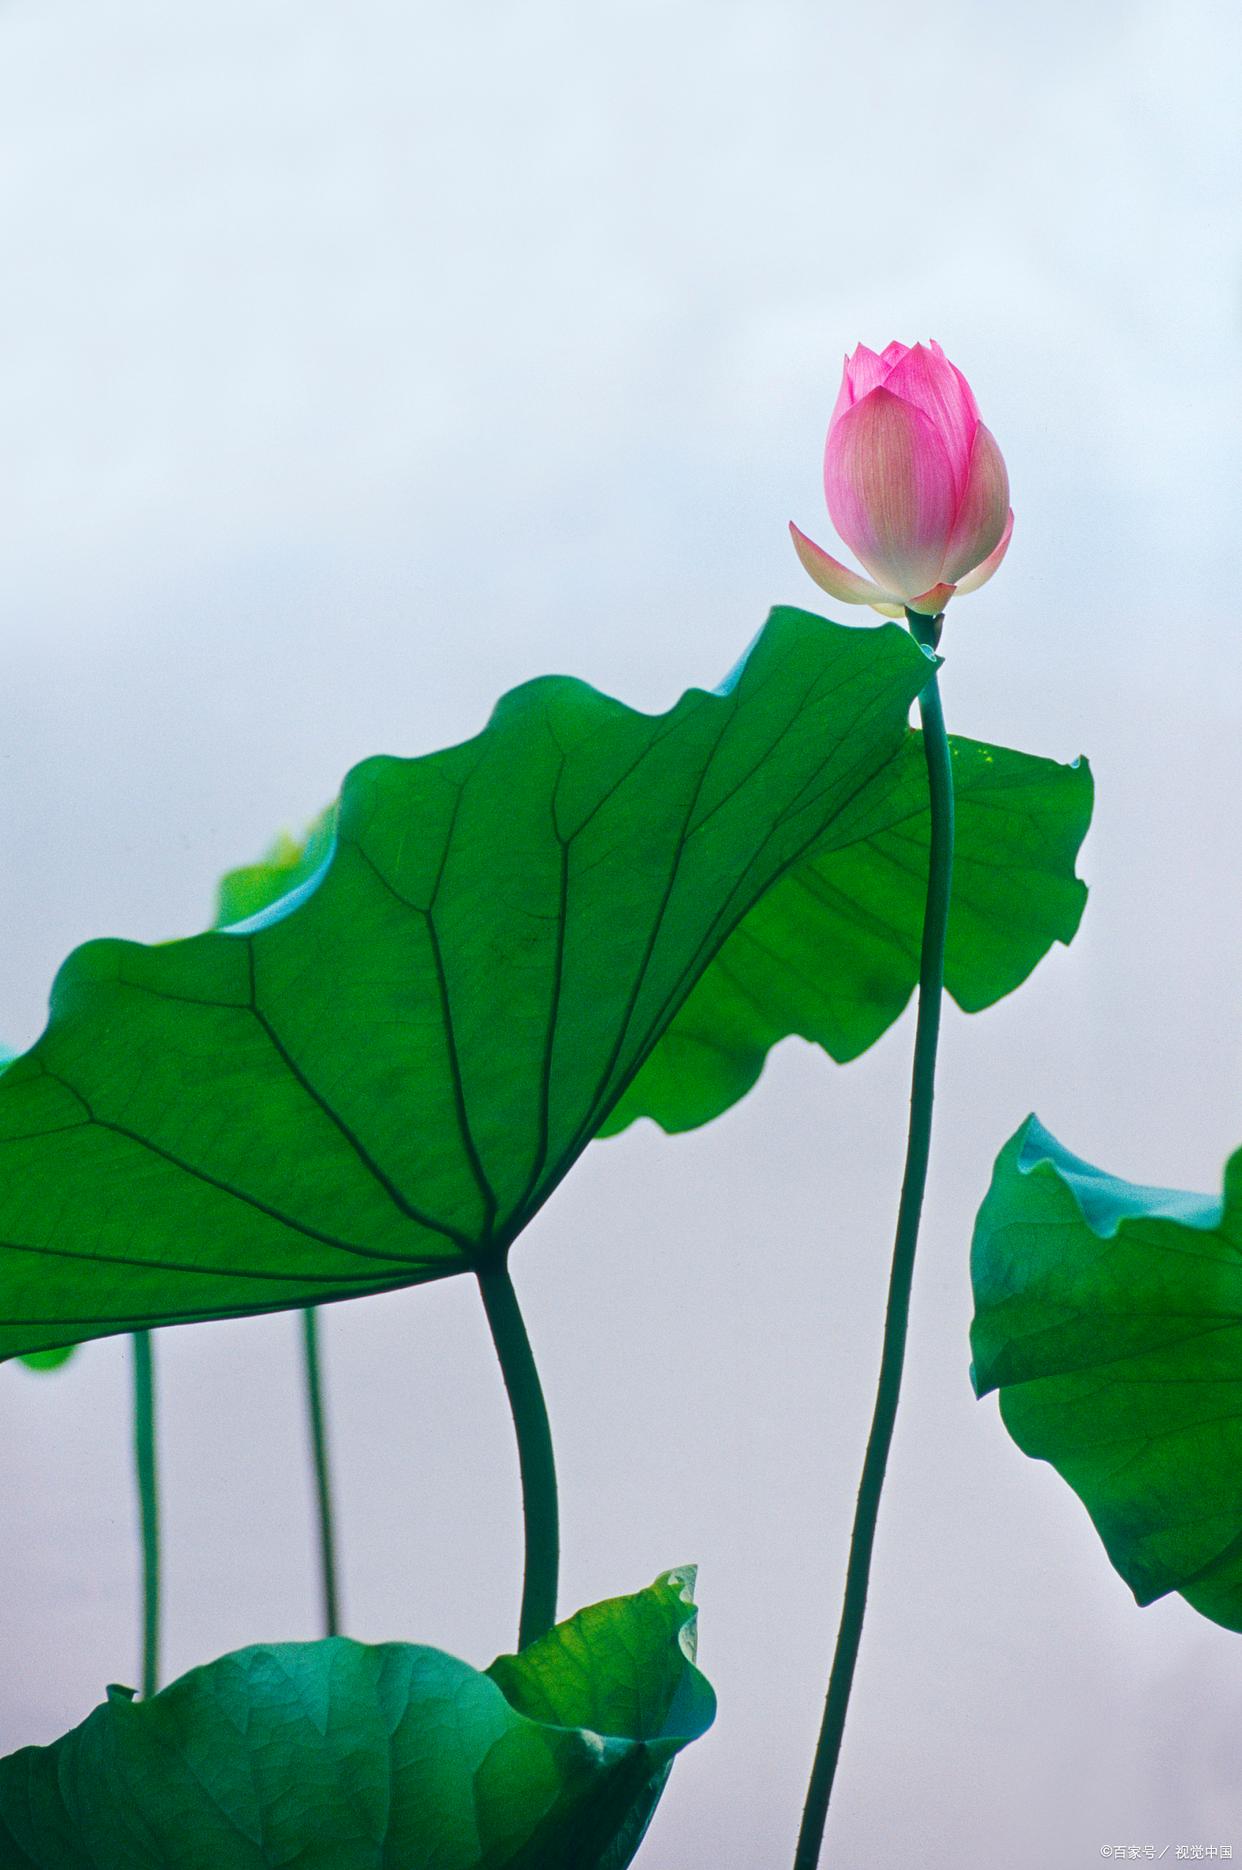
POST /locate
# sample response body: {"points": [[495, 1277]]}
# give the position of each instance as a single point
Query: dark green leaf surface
{"points": [[831, 951], [339, 1756], [243, 892], [487, 956], [380, 1078], [49, 1359], [1109, 1317]]}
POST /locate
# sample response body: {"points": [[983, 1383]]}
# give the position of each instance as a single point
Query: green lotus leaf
{"points": [[831, 952], [583, 1674], [341, 1756], [379, 1076], [243, 892], [1109, 1317], [49, 1359]]}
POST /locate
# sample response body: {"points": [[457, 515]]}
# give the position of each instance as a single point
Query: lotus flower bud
{"points": [[916, 485]]}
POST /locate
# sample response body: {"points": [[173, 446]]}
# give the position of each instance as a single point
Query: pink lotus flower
{"points": [[916, 485]]}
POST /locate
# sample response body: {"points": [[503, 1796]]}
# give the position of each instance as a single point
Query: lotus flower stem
{"points": [[148, 1507], [927, 1032], [540, 1511], [323, 1476]]}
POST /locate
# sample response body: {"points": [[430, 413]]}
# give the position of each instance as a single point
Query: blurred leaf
{"points": [[380, 1078], [1109, 1317], [288, 864], [48, 1360], [340, 1756]]}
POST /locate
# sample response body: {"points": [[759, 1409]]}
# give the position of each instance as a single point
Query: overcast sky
{"points": [[357, 362]]}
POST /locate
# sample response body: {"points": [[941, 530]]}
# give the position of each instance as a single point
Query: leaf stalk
{"points": [[329, 1592], [540, 1510], [914, 1181], [148, 1506]]}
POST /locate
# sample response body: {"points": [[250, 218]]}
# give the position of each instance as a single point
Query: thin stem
{"points": [[534, 1439], [148, 1507], [931, 984], [323, 1478]]}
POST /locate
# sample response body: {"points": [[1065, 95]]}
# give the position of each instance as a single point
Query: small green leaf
{"points": [[621, 1667], [1109, 1317], [340, 1756]]}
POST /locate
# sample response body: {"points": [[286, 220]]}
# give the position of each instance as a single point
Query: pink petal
{"points": [[861, 372], [890, 491], [982, 573], [979, 523], [935, 386], [931, 603], [831, 576], [893, 353]]}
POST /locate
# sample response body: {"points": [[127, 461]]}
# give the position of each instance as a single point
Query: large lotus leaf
{"points": [[1109, 1317], [380, 1078], [243, 892], [831, 952], [49, 1359], [340, 1756]]}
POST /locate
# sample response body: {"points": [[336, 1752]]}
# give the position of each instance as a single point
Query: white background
{"points": [[357, 362]]}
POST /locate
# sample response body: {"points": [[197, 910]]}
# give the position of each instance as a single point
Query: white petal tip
{"points": [[849, 587], [981, 573]]}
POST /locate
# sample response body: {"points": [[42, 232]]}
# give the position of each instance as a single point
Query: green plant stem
{"points": [[534, 1438], [148, 1507], [323, 1476], [914, 1181]]}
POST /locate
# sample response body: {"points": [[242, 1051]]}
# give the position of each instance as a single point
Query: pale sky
{"points": [[359, 362]]}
